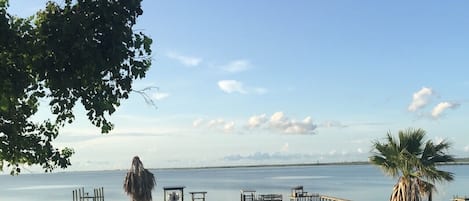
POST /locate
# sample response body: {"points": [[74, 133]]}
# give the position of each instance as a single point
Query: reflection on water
{"points": [[359, 182]]}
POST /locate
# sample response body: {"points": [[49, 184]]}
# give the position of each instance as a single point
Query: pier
{"points": [[297, 194], [176, 193], [329, 198]]}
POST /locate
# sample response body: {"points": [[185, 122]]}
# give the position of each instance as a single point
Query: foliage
{"points": [[84, 51], [414, 162], [139, 182]]}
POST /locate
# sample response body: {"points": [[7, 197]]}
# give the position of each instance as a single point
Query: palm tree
{"points": [[414, 162], [139, 182]]}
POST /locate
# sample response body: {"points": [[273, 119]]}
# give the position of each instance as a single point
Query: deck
{"points": [[297, 194]]}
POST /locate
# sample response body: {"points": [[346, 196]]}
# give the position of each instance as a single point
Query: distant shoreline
{"points": [[457, 162], [462, 161], [265, 165]]}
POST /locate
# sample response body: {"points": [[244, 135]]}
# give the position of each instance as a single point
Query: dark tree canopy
{"points": [[84, 51]]}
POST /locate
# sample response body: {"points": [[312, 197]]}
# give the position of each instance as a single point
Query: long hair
{"points": [[139, 182]]}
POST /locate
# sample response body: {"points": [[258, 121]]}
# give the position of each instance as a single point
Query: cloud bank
{"points": [[261, 156], [278, 122], [256, 121], [281, 123]]}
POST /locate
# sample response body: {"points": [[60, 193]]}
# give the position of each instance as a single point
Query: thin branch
{"points": [[146, 97]]}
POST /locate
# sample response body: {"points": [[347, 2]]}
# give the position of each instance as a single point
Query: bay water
{"points": [[354, 182]]}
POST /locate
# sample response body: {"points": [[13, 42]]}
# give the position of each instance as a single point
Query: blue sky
{"points": [[259, 82]]}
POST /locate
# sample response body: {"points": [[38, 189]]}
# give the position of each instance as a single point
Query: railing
{"points": [[271, 197], [316, 197], [459, 198], [81, 195], [329, 198]]}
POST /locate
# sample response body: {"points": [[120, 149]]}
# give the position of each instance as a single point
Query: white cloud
{"points": [[214, 123], [220, 124], [466, 148], [277, 122], [280, 122], [257, 120], [420, 99], [190, 61], [229, 126], [231, 86], [160, 95], [441, 107], [237, 66], [197, 122]]}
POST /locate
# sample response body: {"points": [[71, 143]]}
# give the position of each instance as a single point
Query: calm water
{"points": [[358, 183]]}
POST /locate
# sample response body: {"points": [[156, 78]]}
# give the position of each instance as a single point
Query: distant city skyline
{"points": [[274, 82]]}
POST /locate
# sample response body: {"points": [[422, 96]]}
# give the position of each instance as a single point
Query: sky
{"points": [[276, 82]]}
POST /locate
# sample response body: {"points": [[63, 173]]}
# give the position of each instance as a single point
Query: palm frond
{"points": [[411, 140], [139, 182], [384, 157], [415, 160]]}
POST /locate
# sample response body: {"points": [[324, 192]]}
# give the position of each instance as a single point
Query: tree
{"points": [[139, 182], [414, 162], [85, 51]]}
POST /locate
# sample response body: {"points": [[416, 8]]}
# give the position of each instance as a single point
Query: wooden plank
{"points": [[330, 198]]}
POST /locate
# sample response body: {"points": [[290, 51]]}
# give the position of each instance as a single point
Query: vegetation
{"points": [[139, 182], [414, 162], [85, 51]]}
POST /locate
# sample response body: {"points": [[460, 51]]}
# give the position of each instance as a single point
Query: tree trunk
{"points": [[406, 189]]}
